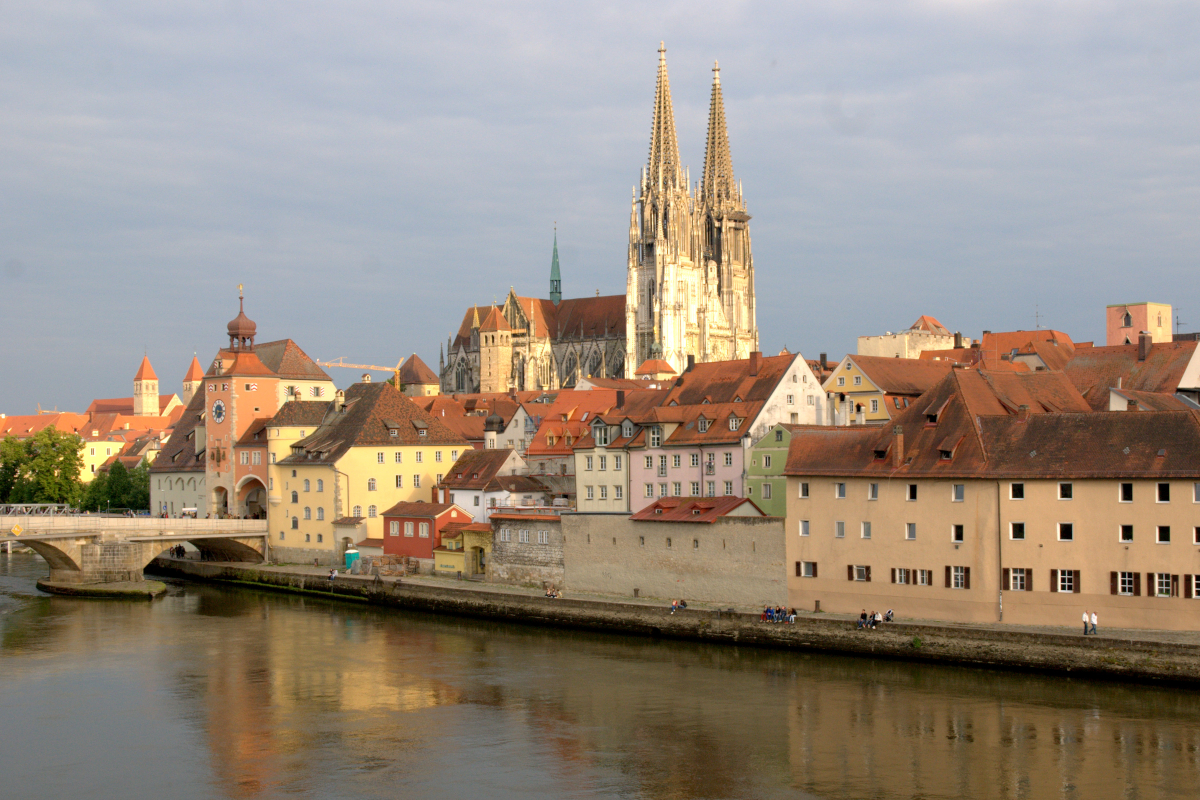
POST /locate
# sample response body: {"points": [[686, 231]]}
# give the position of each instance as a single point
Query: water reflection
{"points": [[255, 695]]}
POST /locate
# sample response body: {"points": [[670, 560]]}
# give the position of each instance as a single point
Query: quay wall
{"points": [[1114, 659]]}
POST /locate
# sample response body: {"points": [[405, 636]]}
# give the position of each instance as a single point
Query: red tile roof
{"points": [[654, 366], [414, 371], [194, 372], [422, 509], [1095, 370], [475, 468], [928, 323], [906, 376], [729, 381], [695, 509], [996, 344], [145, 371], [285, 359]]}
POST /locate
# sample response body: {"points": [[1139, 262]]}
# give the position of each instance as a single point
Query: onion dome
{"points": [[241, 328]]}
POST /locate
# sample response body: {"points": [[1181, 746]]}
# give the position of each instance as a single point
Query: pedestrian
{"points": [[1093, 623], [862, 619], [1085, 622]]}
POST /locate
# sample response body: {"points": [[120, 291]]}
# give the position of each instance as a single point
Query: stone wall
{"points": [[305, 555], [526, 563], [107, 562], [735, 560]]}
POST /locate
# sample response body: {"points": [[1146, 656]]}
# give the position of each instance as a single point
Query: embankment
{"points": [[1115, 659]]}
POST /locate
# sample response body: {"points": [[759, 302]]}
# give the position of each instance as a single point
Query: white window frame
{"points": [[1069, 530], [839, 491], [1066, 581], [1158, 534], [804, 490], [958, 577], [839, 530], [804, 527], [1013, 487], [1017, 579], [872, 491], [1066, 490], [958, 492], [910, 531], [865, 530], [1125, 579]]}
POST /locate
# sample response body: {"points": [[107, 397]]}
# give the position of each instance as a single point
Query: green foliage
{"points": [[118, 487], [42, 469], [916, 643]]}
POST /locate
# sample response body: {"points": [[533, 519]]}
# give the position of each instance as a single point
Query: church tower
{"points": [[690, 282], [555, 276], [145, 390], [191, 381]]}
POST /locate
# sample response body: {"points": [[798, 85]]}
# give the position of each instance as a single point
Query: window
{"points": [[1016, 491], [399, 481], [423, 530], [791, 399], [590, 493], [1126, 495], [523, 536], [668, 542], [712, 488], [256, 458], [543, 537], [308, 537], [420, 456], [734, 423], [873, 491], [662, 490], [1164, 534], [875, 406], [371, 484], [924, 577], [958, 533], [806, 569], [416, 481], [1065, 491], [1162, 584], [812, 400], [662, 466], [804, 527], [656, 436], [841, 381], [1196, 535], [676, 461], [958, 493], [649, 490], [272, 458], [1164, 493], [603, 463], [702, 425], [281, 534], [958, 578], [1126, 533], [627, 429], [860, 573], [505, 535], [306, 484], [316, 391], [912, 492], [1066, 532], [677, 489], [695, 459], [649, 462], [728, 488], [603, 492], [729, 459], [766, 491], [357, 511], [320, 537], [1196, 494], [866, 530], [1125, 583], [1017, 579], [372, 512], [307, 512], [295, 523], [454, 453], [587, 463], [839, 491], [295, 497], [245, 458], [399, 457], [394, 528], [393, 432], [437, 455], [803, 491], [910, 530], [475, 498], [858, 380], [1016, 530], [900, 575], [379, 458], [766, 462], [839, 529], [320, 485], [1066, 580], [695, 489]]}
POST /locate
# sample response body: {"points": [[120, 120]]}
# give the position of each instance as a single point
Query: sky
{"points": [[368, 169]]}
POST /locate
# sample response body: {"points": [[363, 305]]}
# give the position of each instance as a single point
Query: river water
{"points": [[217, 692]]}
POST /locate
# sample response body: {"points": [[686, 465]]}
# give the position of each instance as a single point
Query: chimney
{"points": [[957, 340], [987, 333], [1143, 345], [691, 362], [620, 398], [755, 362], [898, 447], [340, 398], [366, 378], [824, 359], [1022, 413]]}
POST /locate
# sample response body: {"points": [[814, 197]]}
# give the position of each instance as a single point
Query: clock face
{"points": [[218, 411]]}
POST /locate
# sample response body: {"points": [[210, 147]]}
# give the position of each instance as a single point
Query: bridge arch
{"points": [[57, 559], [251, 494]]}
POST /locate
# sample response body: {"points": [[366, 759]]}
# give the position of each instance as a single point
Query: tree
{"points": [[13, 461], [95, 496], [119, 485], [139, 482], [42, 469]]}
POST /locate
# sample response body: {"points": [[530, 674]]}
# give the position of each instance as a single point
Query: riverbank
{"points": [[128, 590], [1153, 657]]}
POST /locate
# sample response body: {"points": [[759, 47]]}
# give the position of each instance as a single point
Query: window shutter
{"points": [[947, 577], [966, 577], [1076, 581], [1137, 584], [814, 569], [1174, 586], [1004, 581], [1112, 583], [1029, 579], [849, 572], [797, 569], [1151, 587], [1054, 580], [1187, 587], [868, 574], [894, 575]]}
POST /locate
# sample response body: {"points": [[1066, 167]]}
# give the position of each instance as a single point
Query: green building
{"points": [[765, 482]]}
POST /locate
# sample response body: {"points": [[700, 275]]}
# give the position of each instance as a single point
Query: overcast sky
{"points": [[367, 169]]}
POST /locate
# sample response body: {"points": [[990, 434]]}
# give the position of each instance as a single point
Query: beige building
{"points": [[924, 334], [1124, 321], [1001, 497]]}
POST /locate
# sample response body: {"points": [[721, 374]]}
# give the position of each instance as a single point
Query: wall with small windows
{"points": [[735, 561], [527, 549]]}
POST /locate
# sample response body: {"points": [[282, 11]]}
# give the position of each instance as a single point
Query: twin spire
{"points": [[664, 171]]}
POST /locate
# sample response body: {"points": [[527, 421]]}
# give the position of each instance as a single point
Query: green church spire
{"points": [[555, 277]]}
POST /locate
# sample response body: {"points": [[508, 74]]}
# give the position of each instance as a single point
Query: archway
{"points": [[570, 371], [252, 498], [220, 502]]}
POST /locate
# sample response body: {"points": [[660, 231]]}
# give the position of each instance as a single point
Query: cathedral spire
{"points": [[664, 171], [555, 277], [717, 184]]}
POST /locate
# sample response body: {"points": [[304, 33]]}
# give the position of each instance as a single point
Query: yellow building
{"points": [[348, 461], [866, 390]]}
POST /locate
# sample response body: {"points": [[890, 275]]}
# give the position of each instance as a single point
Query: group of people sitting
{"points": [[779, 614], [553, 593], [677, 605], [874, 619]]}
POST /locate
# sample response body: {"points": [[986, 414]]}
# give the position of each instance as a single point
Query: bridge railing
{"points": [[92, 523], [35, 509]]}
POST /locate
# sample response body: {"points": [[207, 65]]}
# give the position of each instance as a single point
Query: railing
{"points": [[35, 509]]}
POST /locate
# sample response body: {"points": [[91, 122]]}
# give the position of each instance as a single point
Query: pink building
{"points": [[1124, 321]]}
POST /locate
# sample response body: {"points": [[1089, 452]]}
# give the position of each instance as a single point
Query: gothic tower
{"points": [[690, 282], [555, 277]]}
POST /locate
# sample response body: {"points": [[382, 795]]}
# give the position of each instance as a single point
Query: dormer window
{"points": [[627, 429], [881, 453], [702, 424], [393, 432], [934, 412], [422, 432], [600, 433], [656, 436], [734, 423]]}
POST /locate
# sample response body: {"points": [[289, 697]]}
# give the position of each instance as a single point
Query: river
{"points": [[219, 692]]}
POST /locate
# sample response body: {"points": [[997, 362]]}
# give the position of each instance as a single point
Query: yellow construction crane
{"points": [[340, 361]]}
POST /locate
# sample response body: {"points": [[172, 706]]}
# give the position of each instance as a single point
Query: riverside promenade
{"points": [[1126, 655]]}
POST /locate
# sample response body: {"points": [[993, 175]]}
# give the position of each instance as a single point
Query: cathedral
{"points": [[689, 285]]}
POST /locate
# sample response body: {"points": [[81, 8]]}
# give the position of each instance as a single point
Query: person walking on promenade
{"points": [[1093, 623], [1085, 622]]}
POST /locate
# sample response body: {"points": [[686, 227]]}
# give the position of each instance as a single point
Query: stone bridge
{"points": [[88, 549]]}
